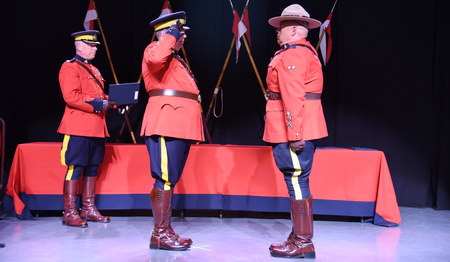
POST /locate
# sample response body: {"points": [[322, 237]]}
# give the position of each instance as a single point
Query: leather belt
{"points": [[313, 96], [308, 96], [176, 93], [273, 95]]}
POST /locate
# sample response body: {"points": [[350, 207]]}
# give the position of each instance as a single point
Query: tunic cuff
{"points": [[97, 104], [174, 32]]}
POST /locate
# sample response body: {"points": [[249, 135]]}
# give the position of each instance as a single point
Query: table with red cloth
{"points": [[344, 182]]}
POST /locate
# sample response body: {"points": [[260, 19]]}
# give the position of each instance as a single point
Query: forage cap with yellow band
{"points": [[88, 36], [166, 20]]}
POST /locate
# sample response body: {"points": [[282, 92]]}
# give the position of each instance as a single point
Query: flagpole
{"points": [[250, 55], [320, 40], [219, 81], [232, 7], [254, 67], [226, 63], [323, 31], [106, 45], [216, 89], [168, 5]]}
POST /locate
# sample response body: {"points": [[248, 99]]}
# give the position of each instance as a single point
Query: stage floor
{"points": [[424, 235]]}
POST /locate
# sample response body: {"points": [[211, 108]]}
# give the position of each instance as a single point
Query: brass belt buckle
{"points": [[273, 96]]}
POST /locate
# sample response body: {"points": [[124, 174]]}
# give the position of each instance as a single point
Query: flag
{"points": [[91, 15], [239, 30], [165, 8], [247, 25], [324, 48]]}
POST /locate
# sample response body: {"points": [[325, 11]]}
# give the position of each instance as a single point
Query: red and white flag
{"points": [[247, 25], [91, 15], [165, 8], [239, 30], [324, 47]]}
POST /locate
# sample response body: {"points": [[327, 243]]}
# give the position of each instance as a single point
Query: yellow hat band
{"points": [[85, 37], [167, 24]]}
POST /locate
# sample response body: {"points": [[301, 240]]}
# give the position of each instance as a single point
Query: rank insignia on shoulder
{"points": [[291, 67], [71, 60]]}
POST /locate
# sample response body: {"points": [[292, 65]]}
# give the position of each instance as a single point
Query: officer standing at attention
{"points": [[172, 121], [84, 128], [295, 121]]}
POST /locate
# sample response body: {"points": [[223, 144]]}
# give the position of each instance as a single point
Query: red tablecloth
{"points": [[343, 181]]}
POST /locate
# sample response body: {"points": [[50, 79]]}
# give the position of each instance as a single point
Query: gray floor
{"points": [[423, 235]]}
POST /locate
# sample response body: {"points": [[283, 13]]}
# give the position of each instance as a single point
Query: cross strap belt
{"points": [[308, 96], [92, 74], [176, 93]]}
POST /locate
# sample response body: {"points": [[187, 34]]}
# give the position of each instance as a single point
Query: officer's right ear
{"points": [[78, 46]]}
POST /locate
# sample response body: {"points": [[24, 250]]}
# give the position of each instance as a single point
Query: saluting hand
{"points": [[177, 25]]}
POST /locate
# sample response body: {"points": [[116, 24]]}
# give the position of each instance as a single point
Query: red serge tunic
{"points": [[78, 87], [293, 73], [167, 115]]}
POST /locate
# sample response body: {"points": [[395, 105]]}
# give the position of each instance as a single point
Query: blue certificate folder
{"points": [[124, 94]]}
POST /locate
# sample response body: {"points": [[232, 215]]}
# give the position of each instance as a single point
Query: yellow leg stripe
{"points": [[164, 164], [297, 172], [64, 149], [69, 173]]}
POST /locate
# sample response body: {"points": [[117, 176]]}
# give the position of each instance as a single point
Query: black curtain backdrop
{"points": [[386, 84]]}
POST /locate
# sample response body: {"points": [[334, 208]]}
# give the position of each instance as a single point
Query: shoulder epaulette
{"points": [[71, 60]]}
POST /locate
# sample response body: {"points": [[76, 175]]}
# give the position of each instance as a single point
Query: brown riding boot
{"points": [[89, 211], [70, 214], [299, 243], [162, 237], [278, 246], [180, 239]]}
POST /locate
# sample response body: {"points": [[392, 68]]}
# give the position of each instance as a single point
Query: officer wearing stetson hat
{"points": [[172, 121], [84, 128], [297, 13], [295, 121]]}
